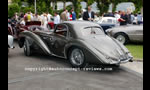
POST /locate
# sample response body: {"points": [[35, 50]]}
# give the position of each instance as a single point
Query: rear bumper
{"points": [[127, 60]]}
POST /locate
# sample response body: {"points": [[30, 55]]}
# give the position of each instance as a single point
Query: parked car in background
{"points": [[107, 22], [31, 26], [50, 25], [128, 33], [80, 42], [12, 28], [10, 42]]}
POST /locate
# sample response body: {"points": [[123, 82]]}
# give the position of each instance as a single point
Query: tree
{"points": [[12, 9], [103, 6], [76, 6], [138, 5], [89, 2]]}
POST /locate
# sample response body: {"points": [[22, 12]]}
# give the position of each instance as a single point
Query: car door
{"points": [[136, 35], [58, 40], [139, 35]]}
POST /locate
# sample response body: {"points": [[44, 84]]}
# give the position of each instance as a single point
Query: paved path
{"points": [[19, 79]]}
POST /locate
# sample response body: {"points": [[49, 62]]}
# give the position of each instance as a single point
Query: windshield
{"points": [[94, 30]]}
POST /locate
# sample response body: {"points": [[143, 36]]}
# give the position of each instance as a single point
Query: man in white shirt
{"points": [[56, 19], [117, 16], [49, 16]]}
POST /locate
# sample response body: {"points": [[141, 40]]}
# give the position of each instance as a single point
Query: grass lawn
{"points": [[136, 50]]}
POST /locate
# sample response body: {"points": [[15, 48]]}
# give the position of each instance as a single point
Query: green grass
{"points": [[136, 50]]}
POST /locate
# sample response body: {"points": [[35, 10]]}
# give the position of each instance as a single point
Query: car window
{"points": [[61, 30], [107, 21], [33, 28], [92, 31]]}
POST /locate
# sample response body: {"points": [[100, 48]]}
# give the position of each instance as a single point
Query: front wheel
{"points": [[77, 58], [27, 49]]}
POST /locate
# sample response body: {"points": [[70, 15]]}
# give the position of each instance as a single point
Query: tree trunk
{"points": [[64, 4], [142, 10]]}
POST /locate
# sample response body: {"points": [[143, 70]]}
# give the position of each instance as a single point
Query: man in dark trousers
{"points": [[88, 15], [124, 19]]}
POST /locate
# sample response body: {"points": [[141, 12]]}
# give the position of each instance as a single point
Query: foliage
{"points": [[102, 5], [12, 9]]}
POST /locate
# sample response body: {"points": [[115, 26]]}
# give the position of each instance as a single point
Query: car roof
{"points": [[80, 24]]}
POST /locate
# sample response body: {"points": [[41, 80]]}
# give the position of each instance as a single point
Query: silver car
{"points": [[128, 33]]}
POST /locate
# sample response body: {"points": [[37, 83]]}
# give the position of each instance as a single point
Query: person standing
{"points": [[45, 20], [35, 17], [49, 16], [56, 19], [129, 17], [117, 16], [73, 15], [139, 18], [28, 17], [123, 18], [63, 15], [132, 17], [68, 16], [88, 15]]}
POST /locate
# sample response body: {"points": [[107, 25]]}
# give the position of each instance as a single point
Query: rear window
{"points": [[94, 30]]}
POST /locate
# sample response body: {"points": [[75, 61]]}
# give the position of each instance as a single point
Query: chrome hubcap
{"points": [[77, 57], [121, 39]]}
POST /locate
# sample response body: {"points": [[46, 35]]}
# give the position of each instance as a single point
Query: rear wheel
{"points": [[27, 49], [77, 58], [121, 37]]}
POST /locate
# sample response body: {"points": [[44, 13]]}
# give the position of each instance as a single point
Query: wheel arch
{"points": [[21, 42], [121, 33], [67, 50]]}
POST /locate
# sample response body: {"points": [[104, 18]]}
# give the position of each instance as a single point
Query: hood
{"points": [[106, 46]]}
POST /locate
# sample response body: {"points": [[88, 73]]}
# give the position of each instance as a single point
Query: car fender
{"points": [[32, 37], [90, 55]]}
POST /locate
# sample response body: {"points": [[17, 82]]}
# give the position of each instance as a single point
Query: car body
{"points": [[10, 42], [80, 42], [127, 33], [10, 30], [30, 26], [107, 22], [13, 28], [50, 25]]}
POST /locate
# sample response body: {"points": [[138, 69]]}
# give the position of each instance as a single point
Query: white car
{"points": [[107, 20], [10, 42]]}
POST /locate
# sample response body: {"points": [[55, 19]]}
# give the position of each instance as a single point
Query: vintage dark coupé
{"points": [[80, 42]]}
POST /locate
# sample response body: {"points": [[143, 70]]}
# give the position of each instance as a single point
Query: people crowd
{"points": [[122, 17], [45, 17], [125, 18]]}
